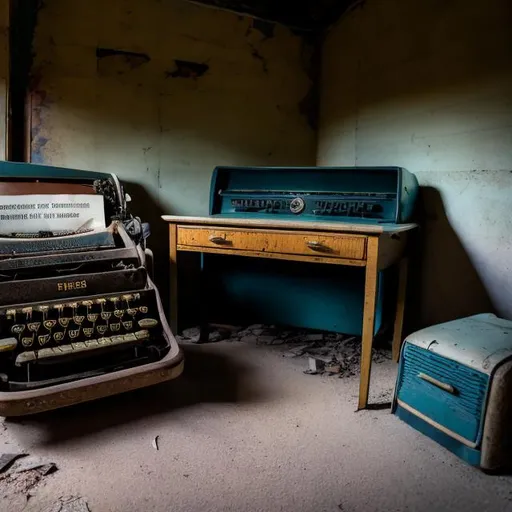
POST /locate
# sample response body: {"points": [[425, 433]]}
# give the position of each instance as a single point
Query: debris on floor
{"points": [[326, 353], [154, 443], [6, 459], [29, 463], [69, 504], [191, 334], [21, 472]]}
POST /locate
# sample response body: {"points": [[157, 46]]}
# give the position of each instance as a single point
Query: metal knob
{"points": [[317, 246], [217, 240]]}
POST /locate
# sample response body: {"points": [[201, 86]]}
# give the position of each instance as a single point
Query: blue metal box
{"points": [[455, 385]]}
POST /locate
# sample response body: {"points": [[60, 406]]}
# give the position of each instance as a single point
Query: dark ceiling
{"points": [[298, 14]]}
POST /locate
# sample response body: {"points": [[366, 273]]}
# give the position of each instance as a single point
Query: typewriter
{"points": [[367, 195], [324, 297], [80, 317]]}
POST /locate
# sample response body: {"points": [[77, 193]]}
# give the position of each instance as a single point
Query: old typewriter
{"points": [[80, 317], [325, 297], [380, 195]]}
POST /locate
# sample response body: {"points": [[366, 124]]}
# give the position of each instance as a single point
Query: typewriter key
{"points": [[44, 339], [115, 327], [64, 321], [92, 317], [74, 333], [58, 336], [119, 313], [27, 312], [143, 309], [64, 349], [105, 315], [147, 323], [49, 324], [88, 331], [142, 335], [102, 329], [17, 328], [8, 344], [27, 342], [34, 326], [128, 325], [78, 319]]}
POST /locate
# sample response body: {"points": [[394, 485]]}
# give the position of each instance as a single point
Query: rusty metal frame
{"points": [[20, 403]]}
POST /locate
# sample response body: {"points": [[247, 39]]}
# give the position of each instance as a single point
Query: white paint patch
{"points": [[45, 212]]}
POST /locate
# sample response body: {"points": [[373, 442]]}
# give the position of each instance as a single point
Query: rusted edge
{"points": [[20, 403]]}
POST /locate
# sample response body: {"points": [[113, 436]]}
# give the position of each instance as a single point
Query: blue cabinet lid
{"points": [[480, 341]]}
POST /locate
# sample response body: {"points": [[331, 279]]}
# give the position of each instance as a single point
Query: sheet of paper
{"points": [[50, 212]]}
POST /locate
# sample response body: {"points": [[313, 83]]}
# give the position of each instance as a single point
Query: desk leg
{"points": [[370, 298], [173, 260], [204, 331], [400, 307]]}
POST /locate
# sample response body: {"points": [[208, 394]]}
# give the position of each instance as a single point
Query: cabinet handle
{"points": [[217, 240], [437, 383], [318, 246]]}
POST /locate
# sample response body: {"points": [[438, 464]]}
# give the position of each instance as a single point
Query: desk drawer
{"points": [[273, 241]]}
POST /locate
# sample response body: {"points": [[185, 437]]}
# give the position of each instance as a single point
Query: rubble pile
{"points": [[326, 353]]}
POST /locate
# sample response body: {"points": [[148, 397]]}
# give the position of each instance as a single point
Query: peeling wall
{"points": [[162, 91], [428, 85], [109, 94], [4, 75]]}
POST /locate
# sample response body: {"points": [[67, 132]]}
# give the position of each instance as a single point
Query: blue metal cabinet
{"points": [[451, 383]]}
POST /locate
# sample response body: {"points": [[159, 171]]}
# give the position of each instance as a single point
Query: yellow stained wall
{"points": [[427, 85], [4, 74], [165, 134]]}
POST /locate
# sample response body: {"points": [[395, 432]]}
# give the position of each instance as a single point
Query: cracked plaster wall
{"points": [[160, 92], [427, 85], [110, 93]]}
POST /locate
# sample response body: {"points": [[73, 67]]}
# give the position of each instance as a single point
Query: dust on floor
{"points": [[245, 428]]}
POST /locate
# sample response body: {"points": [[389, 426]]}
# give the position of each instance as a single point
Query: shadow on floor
{"points": [[209, 376]]}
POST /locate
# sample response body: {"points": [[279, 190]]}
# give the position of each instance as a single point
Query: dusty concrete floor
{"points": [[245, 430]]}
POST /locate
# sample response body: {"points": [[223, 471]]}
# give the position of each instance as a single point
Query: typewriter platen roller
{"points": [[80, 317]]}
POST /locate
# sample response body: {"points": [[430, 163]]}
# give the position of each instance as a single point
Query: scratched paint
{"points": [[406, 84]]}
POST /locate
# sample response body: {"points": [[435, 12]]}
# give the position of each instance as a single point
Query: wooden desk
{"points": [[334, 243]]}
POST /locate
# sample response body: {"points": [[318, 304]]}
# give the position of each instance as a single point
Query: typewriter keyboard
{"points": [[61, 333]]}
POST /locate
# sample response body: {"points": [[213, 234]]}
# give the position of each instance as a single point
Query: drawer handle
{"points": [[218, 240], [437, 383], [318, 246]]}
